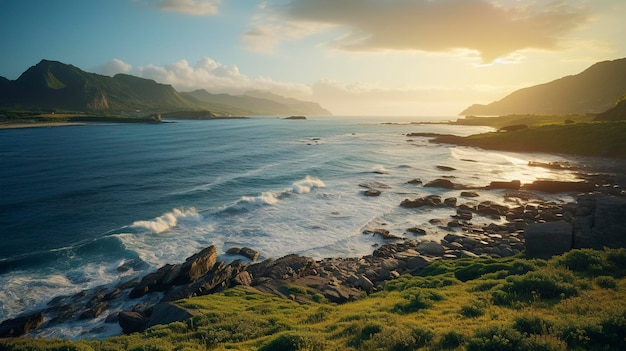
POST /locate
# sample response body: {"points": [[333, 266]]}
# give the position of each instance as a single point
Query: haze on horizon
{"points": [[354, 57]]}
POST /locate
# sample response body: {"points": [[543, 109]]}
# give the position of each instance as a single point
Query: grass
{"points": [[604, 139], [574, 301]]}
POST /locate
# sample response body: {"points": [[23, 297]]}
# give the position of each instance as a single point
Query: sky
{"points": [[354, 57]]}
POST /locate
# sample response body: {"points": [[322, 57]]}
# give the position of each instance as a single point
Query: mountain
{"points": [[261, 104], [52, 85], [592, 91]]}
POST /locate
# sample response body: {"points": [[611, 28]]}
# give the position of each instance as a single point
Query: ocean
{"points": [[92, 205]]}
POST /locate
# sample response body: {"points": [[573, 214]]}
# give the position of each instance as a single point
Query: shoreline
{"points": [[345, 279], [40, 125]]}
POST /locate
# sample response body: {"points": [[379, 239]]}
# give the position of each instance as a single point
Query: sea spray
{"points": [[167, 220]]}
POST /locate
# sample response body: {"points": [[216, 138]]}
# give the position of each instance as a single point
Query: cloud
{"points": [[487, 27], [206, 74], [190, 7], [114, 67]]}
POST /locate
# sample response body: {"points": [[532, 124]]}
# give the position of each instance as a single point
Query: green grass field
{"points": [[571, 302]]}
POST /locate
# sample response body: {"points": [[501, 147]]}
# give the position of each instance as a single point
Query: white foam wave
{"points": [[306, 185], [266, 198], [168, 220], [380, 169]]}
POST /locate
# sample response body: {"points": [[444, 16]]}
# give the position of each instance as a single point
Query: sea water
{"points": [[85, 206]]}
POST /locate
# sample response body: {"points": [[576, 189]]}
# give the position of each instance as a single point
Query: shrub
{"points": [[531, 325], [293, 342], [415, 303], [545, 284], [583, 261], [451, 340], [473, 310], [495, 338], [606, 282]]}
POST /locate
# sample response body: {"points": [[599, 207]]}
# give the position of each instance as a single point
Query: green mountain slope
{"points": [[268, 104], [52, 85], [594, 90]]}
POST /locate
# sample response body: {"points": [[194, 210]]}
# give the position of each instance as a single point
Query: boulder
{"points": [[166, 313], [605, 227], [513, 185], [469, 194], [440, 183], [13, 328], [197, 265], [415, 181], [430, 248], [131, 322], [544, 240], [446, 168], [372, 192], [430, 200], [246, 252]]}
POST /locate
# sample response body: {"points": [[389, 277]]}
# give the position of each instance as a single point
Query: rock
{"points": [[430, 248], [417, 262], [374, 185], [372, 192], [450, 202], [160, 280], [383, 233], [430, 200], [513, 185], [440, 183], [553, 186], [609, 223], [13, 328], [415, 181], [416, 231], [489, 208], [463, 215], [544, 240], [246, 252], [197, 265], [446, 168], [469, 194], [365, 284], [131, 322], [93, 312], [166, 313], [296, 118], [244, 278]]}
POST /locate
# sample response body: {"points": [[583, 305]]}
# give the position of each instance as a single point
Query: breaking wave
{"points": [[168, 220]]}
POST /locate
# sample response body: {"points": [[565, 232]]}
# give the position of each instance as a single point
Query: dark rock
{"points": [[296, 117], [131, 322], [160, 280], [544, 240], [94, 312], [416, 181], [374, 185], [446, 168], [166, 313], [440, 183], [553, 186], [286, 267], [513, 185], [246, 252], [383, 233], [469, 194], [13, 328], [430, 248], [430, 200], [450, 202], [197, 265], [372, 192], [463, 215], [416, 231]]}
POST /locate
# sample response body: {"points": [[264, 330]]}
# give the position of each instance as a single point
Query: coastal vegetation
{"points": [[466, 304], [585, 138]]}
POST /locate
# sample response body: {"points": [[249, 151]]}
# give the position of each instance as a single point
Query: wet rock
{"points": [[416, 231], [415, 181], [513, 185], [450, 202], [553, 186], [446, 168], [383, 233], [197, 265], [246, 252], [441, 183], [13, 328], [372, 192], [430, 200], [469, 194]]}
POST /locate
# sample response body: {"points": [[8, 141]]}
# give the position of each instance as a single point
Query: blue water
{"points": [[78, 202]]}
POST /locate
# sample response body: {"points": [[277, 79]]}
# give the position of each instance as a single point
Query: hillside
{"points": [[55, 86], [616, 113], [577, 94], [266, 104]]}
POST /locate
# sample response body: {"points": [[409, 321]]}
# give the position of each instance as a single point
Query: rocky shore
{"points": [[522, 222]]}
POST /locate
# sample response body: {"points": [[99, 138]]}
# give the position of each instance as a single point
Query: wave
{"points": [[306, 185], [168, 220], [266, 198]]}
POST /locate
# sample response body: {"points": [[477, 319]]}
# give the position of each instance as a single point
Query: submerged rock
{"points": [[19, 326]]}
